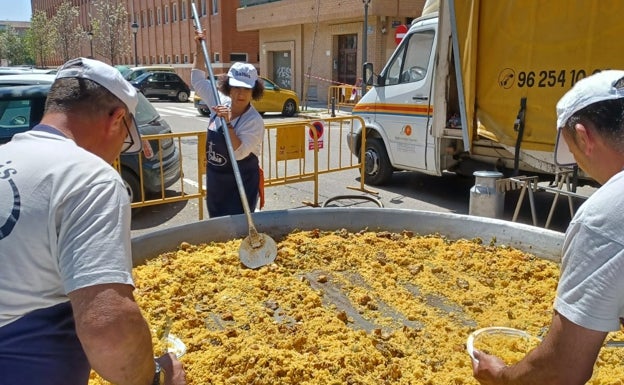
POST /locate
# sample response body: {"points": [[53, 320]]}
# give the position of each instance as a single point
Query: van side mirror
{"points": [[369, 75]]}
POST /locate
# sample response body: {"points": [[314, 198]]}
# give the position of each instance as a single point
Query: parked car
{"points": [[21, 108], [131, 73], [124, 70], [162, 85], [275, 99], [26, 78], [26, 70]]}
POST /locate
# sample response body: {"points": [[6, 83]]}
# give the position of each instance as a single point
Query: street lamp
{"points": [[90, 36], [364, 44], [135, 28]]}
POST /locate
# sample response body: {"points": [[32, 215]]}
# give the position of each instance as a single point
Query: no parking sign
{"points": [[318, 127]]}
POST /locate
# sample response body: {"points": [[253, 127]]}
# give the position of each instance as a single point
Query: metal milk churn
{"points": [[485, 200]]}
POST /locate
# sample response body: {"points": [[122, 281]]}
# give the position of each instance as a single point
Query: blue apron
{"points": [[42, 348], [222, 196]]}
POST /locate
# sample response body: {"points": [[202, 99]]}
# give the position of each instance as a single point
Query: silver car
{"points": [[21, 108]]}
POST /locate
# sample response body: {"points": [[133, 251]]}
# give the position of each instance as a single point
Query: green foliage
{"points": [[111, 29], [13, 47], [62, 36], [40, 38], [68, 31]]}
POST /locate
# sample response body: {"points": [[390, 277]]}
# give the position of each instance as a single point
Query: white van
{"points": [[473, 86]]}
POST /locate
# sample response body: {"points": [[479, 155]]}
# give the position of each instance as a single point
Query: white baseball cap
{"points": [[111, 79], [242, 75], [595, 88]]}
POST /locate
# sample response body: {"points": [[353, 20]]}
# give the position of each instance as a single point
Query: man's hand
{"points": [[487, 368], [174, 372]]}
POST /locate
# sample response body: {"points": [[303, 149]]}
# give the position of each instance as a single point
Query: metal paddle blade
{"points": [[257, 250]]}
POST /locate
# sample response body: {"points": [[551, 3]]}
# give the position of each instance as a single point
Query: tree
{"points": [[111, 32], [13, 48], [41, 37], [69, 33]]}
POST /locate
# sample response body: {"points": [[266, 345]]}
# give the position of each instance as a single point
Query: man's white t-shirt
{"points": [[64, 223], [590, 292]]}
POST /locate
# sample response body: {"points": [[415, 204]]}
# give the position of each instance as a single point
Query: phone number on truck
{"points": [[546, 78]]}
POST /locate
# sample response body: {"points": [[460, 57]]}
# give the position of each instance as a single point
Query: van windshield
{"points": [[411, 62]]}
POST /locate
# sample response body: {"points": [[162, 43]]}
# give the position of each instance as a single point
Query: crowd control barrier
{"points": [[292, 152], [302, 150], [169, 193]]}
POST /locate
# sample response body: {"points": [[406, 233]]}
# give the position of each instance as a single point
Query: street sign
{"points": [[401, 30]]}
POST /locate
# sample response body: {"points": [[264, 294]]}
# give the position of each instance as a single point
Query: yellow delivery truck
{"points": [[474, 85]]}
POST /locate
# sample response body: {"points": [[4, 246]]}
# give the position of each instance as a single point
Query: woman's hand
{"points": [[223, 112], [199, 36]]}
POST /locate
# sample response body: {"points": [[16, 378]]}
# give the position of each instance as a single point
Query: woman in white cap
{"points": [[245, 127]]}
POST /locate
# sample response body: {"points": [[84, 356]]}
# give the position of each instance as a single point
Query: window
{"points": [[203, 7], [166, 14], [144, 18], [158, 16], [411, 62], [183, 10], [186, 59], [15, 117], [174, 15], [217, 57], [151, 18], [215, 7], [238, 57], [177, 59]]}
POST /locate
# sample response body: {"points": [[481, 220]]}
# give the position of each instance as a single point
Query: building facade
{"points": [[303, 45], [166, 32], [315, 44]]}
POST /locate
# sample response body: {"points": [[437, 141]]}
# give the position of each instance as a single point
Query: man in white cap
{"points": [[66, 302], [245, 128], [590, 294]]}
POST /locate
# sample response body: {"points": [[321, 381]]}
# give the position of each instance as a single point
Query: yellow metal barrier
{"points": [[344, 95], [176, 192], [292, 152], [300, 151]]}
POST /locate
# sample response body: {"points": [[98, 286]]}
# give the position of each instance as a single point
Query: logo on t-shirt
{"points": [[9, 213]]}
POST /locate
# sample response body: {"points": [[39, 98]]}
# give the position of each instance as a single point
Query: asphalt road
{"points": [[407, 190]]}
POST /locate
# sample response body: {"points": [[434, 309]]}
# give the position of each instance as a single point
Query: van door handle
{"points": [[424, 98]]}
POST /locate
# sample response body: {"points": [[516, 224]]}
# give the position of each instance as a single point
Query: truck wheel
{"points": [[377, 164]]}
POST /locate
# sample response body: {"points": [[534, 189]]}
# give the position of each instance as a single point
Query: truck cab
{"points": [[398, 110]]}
